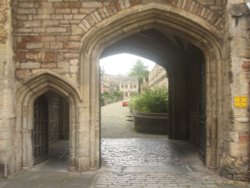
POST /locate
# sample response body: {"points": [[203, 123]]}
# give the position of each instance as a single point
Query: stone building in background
{"points": [[158, 77], [125, 84], [51, 48], [128, 86], [105, 82]]}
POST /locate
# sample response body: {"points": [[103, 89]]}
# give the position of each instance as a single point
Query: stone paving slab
{"points": [[31, 179], [128, 161], [156, 169], [164, 180], [156, 162], [46, 179]]}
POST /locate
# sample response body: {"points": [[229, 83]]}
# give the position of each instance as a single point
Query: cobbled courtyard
{"points": [[129, 160]]}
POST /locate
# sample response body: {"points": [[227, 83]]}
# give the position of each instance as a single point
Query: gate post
{"points": [[8, 164], [236, 162]]}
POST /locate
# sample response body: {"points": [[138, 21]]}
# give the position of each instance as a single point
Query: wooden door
{"points": [[40, 130]]}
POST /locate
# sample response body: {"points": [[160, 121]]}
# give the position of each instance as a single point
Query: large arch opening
{"points": [[185, 64], [189, 40]]}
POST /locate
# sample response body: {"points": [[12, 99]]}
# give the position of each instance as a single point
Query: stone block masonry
{"points": [[47, 30], [48, 36], [236, 161], [7, 91], [52, 44]]}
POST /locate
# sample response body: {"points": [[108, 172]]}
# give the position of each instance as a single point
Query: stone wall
{"points": [[158, 77], [48, 33], [237, 148], [63, 119], [53, 116], [7, 92], [51, 35], [58, 114], [48, 36]]}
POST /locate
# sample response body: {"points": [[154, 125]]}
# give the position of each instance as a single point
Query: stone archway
{"points": [[194, 29], [185, 66], [27, 93]]}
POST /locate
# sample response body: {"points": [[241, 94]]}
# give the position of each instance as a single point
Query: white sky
{"points": [[122, 63]]}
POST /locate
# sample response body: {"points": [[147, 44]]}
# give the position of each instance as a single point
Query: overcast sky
{"points": [[122, 63]]}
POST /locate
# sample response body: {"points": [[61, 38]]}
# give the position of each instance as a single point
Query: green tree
{"points": [[140, 71], [118, 95]]}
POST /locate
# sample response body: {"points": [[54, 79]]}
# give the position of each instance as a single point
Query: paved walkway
{"points": [[155, 163], [129, 160], [117, 123], [134, 160]]}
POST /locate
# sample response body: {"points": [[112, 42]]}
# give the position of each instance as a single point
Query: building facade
{"points": [[125, 84], [105, 83], [158, 77], [55, 45], [128, 86]]}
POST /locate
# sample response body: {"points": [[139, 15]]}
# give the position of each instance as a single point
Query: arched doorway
{"points": [[204, 41], [185, 64], [48, 107], [50, 133]]}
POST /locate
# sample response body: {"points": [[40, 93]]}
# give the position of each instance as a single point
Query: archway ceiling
{"points": [[165, 49]]}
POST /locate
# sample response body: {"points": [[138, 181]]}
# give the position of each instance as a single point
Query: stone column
{"points": [[237, 162], [7, 92]]}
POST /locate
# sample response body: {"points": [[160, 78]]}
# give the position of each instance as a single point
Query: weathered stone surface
{"points": [[7, 91], [22, 73], [49, 65], [238, 149], [3, 20], [64, 37], [246, 66], [30, 65], [3, 34]]}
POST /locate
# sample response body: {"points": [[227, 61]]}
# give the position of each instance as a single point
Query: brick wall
{"points": [[48, 33], [48, 36]]}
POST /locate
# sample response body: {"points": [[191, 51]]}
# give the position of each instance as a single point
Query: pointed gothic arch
{"points": [[189, 26], [27, 92]]}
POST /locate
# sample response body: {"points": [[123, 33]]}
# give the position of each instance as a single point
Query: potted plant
{"points": [[150, 111]]}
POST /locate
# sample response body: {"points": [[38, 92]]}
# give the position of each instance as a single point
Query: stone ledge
{"points": [[152, 123]]}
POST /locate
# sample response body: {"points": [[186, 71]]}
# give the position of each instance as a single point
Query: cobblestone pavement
{"points": [[155, 163], [134, 160], [129, 160]]}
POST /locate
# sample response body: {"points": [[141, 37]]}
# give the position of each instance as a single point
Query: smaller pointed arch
{"points": [[46, 80], [27, 93]]}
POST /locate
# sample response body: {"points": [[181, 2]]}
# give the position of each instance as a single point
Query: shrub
{"points": [[109, 97], [150, 101]]}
